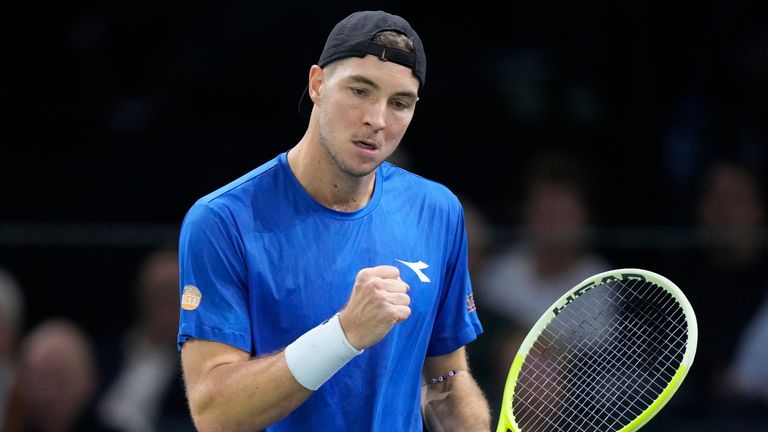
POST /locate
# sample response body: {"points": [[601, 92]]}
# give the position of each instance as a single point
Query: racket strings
{"points": [[594, 378], [599, 408], [583, 378], [637, 372], [596, 367], [607, 397]]}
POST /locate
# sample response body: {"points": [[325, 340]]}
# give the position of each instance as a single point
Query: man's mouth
{"points": [[368, 145]]}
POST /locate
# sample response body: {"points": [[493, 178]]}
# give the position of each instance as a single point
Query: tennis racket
{"points": [[607, 356]]}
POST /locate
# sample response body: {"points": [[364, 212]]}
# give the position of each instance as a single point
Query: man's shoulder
{"points": [[408, 183], [236, 199], [243, 185]]}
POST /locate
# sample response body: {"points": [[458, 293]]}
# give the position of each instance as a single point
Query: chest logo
{"points": [[417, 268]]}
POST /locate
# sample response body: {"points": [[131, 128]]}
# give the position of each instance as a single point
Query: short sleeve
{"points": [[214, 292], [456, 323]]}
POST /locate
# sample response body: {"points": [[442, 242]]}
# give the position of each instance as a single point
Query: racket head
{"points": [[599, 335]]}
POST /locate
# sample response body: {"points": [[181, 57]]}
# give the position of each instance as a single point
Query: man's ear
{"points": [[316, 81]]}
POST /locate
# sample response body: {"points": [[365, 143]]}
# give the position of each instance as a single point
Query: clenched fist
{"points": [[379, 300]]}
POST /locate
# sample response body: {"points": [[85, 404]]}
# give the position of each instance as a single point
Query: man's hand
{"points": [[379, 300]]}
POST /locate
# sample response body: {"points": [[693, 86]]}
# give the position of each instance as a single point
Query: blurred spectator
{"points": [[552, 255], [57, 379], [726, 282], [730, 216], [479, 246], [11, 324], [748, 374], [478, 235], [144, 391]]}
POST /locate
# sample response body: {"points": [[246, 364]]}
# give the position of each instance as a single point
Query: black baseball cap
{"points": [[352, 37]]}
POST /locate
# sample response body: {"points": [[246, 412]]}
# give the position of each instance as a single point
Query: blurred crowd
{"points": [[55, 378], [721, 269]]}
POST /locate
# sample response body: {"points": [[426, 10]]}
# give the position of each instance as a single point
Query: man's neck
{"points": [[325, 182]]}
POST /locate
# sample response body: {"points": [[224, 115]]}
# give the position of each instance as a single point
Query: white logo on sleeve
{"points": [[417, 268]]}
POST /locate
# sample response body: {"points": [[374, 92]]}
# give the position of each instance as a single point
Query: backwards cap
{"points": [[352, 36]]}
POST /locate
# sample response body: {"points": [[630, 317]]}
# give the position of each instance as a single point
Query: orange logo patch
{"points": [[190, 298]]}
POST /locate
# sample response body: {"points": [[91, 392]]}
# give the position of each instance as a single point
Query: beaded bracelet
{"points": [[443, 377]]}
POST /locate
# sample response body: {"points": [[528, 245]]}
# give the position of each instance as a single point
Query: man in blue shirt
{"points": [[320, 290]]}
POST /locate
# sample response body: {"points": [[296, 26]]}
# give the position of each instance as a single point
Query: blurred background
{"points": [[579, 136]]}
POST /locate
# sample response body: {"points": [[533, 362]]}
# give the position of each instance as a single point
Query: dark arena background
{"points": [[118, 115]]}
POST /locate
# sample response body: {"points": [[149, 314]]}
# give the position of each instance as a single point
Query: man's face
{"points": [[364, 108]]}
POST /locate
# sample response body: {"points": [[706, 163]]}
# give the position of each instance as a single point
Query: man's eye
{"points": [[400, 105], [357, 91]]}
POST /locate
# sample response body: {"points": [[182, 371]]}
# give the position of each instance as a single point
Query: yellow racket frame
{"points": [[507, 421]]}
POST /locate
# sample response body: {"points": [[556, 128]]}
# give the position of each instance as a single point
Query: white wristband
{"points": [[319, 353]]}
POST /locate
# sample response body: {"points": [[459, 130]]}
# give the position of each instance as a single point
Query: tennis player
{"points": [[327, 290]]}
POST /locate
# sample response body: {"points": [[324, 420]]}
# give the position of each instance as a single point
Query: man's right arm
{"points": [[228, 390]]}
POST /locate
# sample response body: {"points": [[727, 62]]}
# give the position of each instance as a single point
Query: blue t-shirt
{"points": [[268, 263]]}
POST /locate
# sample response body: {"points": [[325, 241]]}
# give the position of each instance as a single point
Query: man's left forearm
{"points": [[455, 403]]}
